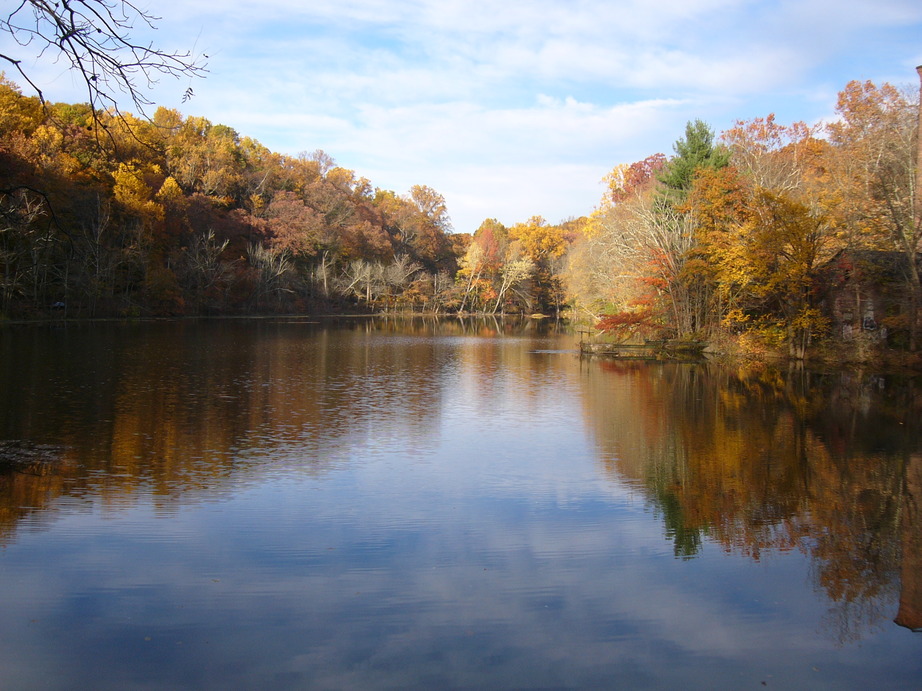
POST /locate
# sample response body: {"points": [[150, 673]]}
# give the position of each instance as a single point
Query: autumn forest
{"points": [[744, 238]]}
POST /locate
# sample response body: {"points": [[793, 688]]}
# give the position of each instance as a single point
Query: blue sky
{"points": [[518, 108]]}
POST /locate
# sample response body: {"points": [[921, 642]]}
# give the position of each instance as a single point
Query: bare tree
{"points": [[272, 266], [94, 38], [399, 272], [515, 270], [206, 272], [363, 279], [21, 235]]}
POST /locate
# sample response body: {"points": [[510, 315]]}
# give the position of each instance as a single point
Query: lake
{"points": [[374, 503]]}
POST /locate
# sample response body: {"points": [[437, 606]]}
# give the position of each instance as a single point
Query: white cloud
{"points": [[541, 97], [546, 159]]}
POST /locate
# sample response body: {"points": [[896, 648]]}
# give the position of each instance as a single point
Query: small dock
{"points": [[649, 350]]}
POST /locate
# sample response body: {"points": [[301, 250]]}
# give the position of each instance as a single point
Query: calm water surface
{"points": [[275, 504]]}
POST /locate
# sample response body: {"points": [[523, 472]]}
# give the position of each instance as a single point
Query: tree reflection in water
{"points": [[766, 458], [755, 460]]}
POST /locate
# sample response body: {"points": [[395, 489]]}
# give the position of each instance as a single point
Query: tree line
{"points": [[733, 238], [106, 214]]}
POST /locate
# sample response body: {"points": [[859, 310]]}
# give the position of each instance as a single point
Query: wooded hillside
{"points": [[731, 237]]}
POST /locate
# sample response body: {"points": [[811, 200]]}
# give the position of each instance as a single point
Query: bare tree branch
{"points": [[94, 39]]}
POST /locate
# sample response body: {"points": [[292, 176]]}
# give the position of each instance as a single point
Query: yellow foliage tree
{"points": [[133, 192]]}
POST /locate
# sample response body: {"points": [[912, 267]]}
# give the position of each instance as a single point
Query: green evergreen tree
{"points": [[695, 151]]}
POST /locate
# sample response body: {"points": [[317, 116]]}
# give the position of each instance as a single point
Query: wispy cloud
{"points": [[541, 97]]}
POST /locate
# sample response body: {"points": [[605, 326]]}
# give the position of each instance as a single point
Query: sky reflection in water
{"points": [[289, 506]]}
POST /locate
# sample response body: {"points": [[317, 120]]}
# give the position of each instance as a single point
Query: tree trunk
{"points": [[918, 186], [916, 288]]}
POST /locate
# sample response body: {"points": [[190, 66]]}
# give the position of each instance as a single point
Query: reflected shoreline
{"points": [[753, 459], [777, 459]]}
